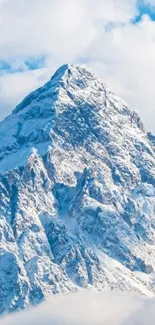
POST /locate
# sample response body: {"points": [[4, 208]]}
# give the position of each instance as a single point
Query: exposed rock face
{"points": [[77, 193]]}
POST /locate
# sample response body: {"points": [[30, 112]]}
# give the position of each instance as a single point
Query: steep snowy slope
{"points": [[77, 193]]}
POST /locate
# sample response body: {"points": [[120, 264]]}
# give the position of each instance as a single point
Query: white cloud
{"points": [[14, 87], [54, 27], [72, 31], [88, 308]]}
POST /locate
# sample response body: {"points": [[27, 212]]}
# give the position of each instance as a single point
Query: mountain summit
{"points": [[77, 193]]}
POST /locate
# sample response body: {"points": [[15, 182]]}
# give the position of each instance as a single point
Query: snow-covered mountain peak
{"points": [[73, 102], [73, 71], [72, 85], [65, 76], [77, 193]]}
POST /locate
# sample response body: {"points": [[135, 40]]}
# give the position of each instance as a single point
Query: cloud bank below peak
{"points": [[88, 308]]}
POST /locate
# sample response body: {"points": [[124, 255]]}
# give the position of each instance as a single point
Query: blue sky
{"points": [[115, 38], [144, 9], [31, 63]]}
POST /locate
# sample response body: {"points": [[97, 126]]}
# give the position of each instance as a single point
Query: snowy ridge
{"points": [[77, 193]]}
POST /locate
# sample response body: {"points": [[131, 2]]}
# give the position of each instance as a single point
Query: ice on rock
{"points": [[77, 193]]}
